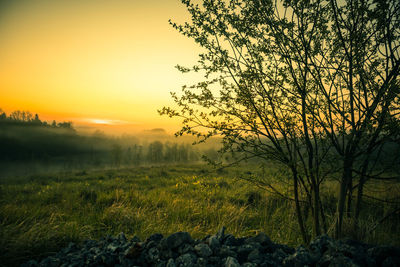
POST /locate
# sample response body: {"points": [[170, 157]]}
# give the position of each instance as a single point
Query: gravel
{"points": [[180, 249]]}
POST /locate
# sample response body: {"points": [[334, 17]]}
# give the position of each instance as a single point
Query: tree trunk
{"points": [[349, 197], [316, 201], [324, 225], [360, 191], [346, 176], [298, 208]]}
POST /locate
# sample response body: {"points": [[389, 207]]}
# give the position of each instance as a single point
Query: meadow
{"points": [[40, 214]]}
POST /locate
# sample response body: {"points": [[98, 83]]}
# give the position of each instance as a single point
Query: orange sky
{"points": [[93, 61]]}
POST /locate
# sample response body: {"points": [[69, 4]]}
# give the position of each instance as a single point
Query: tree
{"points": [[155, 152], [117, 155], [3, 115], [297, 82], [37, 120]]}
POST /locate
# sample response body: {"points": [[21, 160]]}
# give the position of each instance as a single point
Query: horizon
{"points": [[100, 64]]}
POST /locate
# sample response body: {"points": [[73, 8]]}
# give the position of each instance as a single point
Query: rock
{"points": [[261, 238], [161, 264], [185, 248], [153, 255], [121, 237], [231, 262], [391, 262], [135, 239], [201, 262], [243, 252], [221, 249], [300, 258], [175, 240], [342, 261], [226, 251], [249, 264], [203, 250], [186, 260], [155, 237], [113, 248], [380, 253], [31, 263], [279, 254], [321, 244], [230, 240], [171, 263], [150, 244], [254, 256], [134, 251], [215, 260], [213, 242]]}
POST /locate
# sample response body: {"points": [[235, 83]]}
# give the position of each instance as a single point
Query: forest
{"points": [[27, 140]]}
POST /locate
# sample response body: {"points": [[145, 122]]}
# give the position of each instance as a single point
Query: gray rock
{"points": [[201, 262], [254, 256], [175, 240], [279, 254], [203, 250], [150, 244], [391, 262], [230, 240], [225, 251], [31, 263], [244, 251], [186, 260], [180, 249], [320, 244], [213, 242], [135, 239], [214, 260], [153, 255], [171, 263], [380, 253], [342, 261], [185, 248], [161, 263], [231, 262], [261, 238], [113, 247], [300, 258], [155, 237], [121, 237]]}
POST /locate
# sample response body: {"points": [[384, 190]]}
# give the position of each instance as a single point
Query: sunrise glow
{"points": [[106, 122], [71, 60]]}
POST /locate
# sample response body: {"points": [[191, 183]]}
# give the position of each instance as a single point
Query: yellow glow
{"points": [[100, 121], [71, 60]]}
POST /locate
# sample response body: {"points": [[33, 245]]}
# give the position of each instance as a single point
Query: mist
{"points": [[31, 146]]}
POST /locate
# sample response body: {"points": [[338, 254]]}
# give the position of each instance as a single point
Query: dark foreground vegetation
{"points": [[41, 214]]}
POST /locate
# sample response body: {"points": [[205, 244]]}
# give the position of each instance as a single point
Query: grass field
{"points": [[40, 214]]}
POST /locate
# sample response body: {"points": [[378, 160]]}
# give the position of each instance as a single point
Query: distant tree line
{"points": [[153, 153], [24, 137], [27, 118]]}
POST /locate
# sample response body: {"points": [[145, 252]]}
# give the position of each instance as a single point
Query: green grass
{"points": [[41, 214]]}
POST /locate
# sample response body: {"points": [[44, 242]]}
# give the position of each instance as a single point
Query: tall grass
{"points": [[41, 214]]}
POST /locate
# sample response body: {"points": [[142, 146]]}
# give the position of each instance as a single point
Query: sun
{"points": [[101, 121]]}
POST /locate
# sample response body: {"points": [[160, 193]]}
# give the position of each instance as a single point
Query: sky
{"points": [[101, 64]]}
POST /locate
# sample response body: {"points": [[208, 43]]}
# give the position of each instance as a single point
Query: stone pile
{"points": [[180, 249]]}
